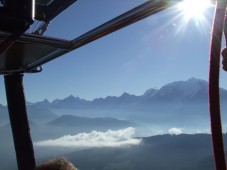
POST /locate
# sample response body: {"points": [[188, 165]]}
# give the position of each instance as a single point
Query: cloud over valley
{"points": [[110, 138]]}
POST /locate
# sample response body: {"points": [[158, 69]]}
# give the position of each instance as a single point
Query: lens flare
{"points": [[194, 9]]}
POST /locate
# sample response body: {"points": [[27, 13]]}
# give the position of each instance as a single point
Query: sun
{"points": [[190, 15], [194, 9]]}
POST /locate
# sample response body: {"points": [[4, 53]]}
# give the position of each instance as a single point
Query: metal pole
{"points": [[19, 122]]}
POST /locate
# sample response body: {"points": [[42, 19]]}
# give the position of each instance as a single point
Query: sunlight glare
{"points": [[194, 9]]}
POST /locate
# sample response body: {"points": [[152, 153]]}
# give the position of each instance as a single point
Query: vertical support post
{"points": [[19, 122]]}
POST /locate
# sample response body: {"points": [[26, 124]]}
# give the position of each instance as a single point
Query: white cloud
{"points": [[109, 138], [175, 131]]}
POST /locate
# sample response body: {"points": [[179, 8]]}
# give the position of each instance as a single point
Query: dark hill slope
{"points": [[164, 152]]}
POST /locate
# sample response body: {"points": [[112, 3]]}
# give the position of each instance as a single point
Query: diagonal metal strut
{"points": [[136, 14]]}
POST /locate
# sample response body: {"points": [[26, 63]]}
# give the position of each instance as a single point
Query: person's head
{"points": [[56, 164]]}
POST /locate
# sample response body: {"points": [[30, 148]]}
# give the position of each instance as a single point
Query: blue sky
{"points": [[157, 50]]}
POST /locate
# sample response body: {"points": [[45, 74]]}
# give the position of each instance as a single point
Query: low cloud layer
{"points": [[109, 138], [175, 131]]}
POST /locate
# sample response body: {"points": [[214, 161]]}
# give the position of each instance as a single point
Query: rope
{"points": [[214, 97]]}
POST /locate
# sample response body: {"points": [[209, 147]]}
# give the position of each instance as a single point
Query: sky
{"points": [[160, 49]]}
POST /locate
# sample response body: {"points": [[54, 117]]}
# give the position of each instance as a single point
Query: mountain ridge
{"points": [[78, 121], [180, 103], [191, 90]]}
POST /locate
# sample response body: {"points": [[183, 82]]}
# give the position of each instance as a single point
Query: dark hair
{"points": [[56, 164]]}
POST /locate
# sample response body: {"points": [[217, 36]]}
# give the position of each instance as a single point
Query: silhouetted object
{"points": [[224, 59], [19, 121], [56, 164], [214, 76], [224, 51]]}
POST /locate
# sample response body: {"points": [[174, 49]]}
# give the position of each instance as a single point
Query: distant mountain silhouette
{"points": [[180, 103], [92, 123], [44, 103], [69, 102], [183, 90], [40, 115], [150, 93], [35, 114], [191, 90]]}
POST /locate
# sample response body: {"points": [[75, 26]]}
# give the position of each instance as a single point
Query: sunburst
{"points": [[194, 9]]}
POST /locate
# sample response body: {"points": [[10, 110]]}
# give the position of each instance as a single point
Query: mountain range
{"points": [[180, 103], [177, 104], [191, 90]]}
